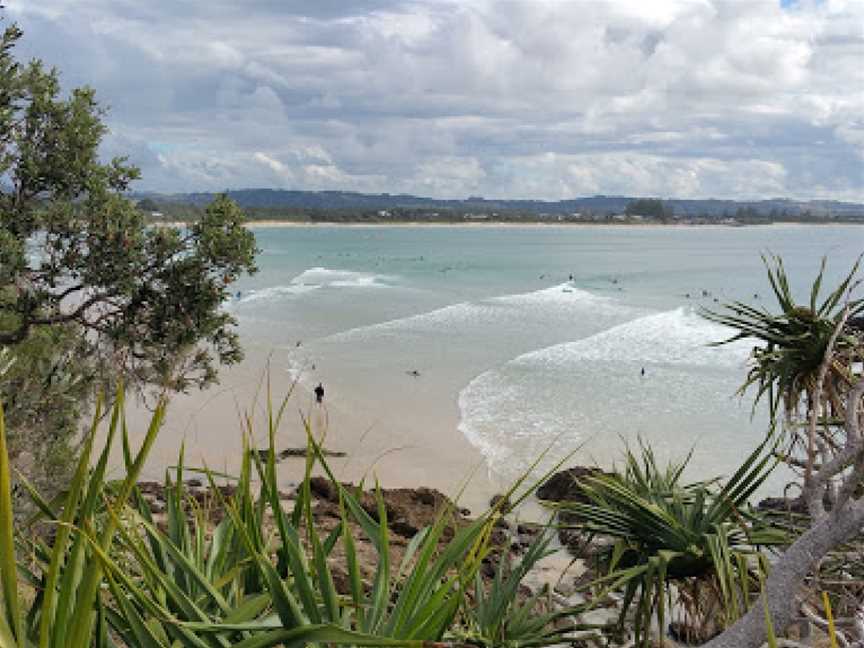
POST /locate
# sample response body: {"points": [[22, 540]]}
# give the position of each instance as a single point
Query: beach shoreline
{"points": [[393, 450], [286, 224]]}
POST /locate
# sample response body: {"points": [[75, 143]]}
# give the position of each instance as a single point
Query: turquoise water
{"points": [[515, 354]]}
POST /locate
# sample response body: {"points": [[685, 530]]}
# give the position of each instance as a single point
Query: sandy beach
{"points": [[402, 447]]}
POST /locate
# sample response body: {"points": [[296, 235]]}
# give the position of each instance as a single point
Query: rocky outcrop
{"points": [[566, 485], [408, 509]]}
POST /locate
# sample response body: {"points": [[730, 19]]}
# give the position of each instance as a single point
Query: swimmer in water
{"points": [[319, 393]]}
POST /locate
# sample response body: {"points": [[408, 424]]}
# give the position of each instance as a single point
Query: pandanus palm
{"points": [[790, 345], [694, 544]]}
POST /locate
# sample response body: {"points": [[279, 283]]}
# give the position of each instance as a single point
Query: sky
{"points": [[544, 99]]}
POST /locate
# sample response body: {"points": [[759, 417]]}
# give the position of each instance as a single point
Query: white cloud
{"points": [[528, 98]]}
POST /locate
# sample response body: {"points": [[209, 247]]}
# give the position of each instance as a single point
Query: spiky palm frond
{"points": [[666, 531], [790, 344]]}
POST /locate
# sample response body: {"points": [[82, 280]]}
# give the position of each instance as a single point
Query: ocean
{"points": [[530, 341]]}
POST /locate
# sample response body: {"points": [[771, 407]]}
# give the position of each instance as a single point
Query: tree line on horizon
{"points": [[336, 206]]}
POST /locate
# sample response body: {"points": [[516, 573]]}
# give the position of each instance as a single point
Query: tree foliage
{"points": [[649, 207], [89, 291]]}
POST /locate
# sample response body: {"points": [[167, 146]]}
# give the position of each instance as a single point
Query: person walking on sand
{"points": [[318, 417]]}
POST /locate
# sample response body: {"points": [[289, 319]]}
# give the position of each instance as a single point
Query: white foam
{"points": [[562, 300], [321, 276], [565, 293], [274, 293], [512, 412], [675, 337], [315, 278]]}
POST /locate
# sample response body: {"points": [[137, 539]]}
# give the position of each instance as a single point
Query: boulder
{"points": [[565, 486]]}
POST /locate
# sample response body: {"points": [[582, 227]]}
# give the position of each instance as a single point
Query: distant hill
{"points": [[310, 205]]}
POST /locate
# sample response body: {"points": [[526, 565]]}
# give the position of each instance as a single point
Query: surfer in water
{"points": [[319, 393]]}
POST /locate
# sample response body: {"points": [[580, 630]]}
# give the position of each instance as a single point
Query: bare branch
{"points": [[854, 443]]}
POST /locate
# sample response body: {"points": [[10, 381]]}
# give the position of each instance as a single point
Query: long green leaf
{"points": [[8, 572]]}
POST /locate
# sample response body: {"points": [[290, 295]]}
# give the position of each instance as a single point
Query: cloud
{"points": [[528, 98]]}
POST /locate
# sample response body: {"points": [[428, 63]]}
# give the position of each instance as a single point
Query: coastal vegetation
{"points": [[695, 548], [90, 294], [240, 568], [349, 207]]}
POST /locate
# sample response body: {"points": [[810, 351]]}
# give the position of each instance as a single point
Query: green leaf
{"points": [[8, 572]]}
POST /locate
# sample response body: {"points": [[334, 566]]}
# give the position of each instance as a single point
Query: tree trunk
{"points": [[784, 582]]}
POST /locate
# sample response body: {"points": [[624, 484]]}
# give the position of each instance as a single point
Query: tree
{"points": [[808, 363], [89, 293], [148, 205], [650, 208]]}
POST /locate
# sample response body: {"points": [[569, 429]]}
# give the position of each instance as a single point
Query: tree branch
{"points": [[813, 486], [787, 574]]}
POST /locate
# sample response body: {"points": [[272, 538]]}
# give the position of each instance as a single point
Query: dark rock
{"points": [[487, 569], [565, 486], [501, 500], [403, 528], [228, 490], [408, 509], [326, 509], [856, 324], [528, 529], [465, 511], [264, 454], [323, 488], [301, 452], [341, 581], [579, 543], [152, 488], [194, 483], [499, 538], [783, 505], [292, 452]]}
